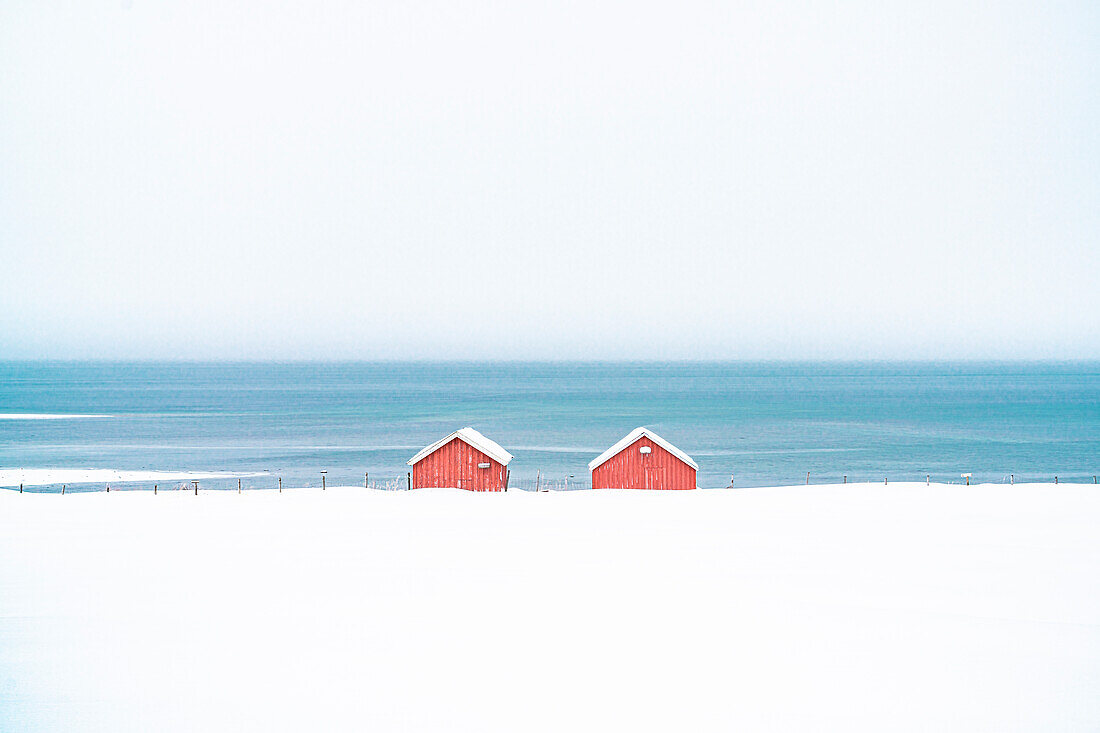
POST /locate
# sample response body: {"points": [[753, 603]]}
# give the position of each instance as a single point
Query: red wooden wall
{"points": [[629, 469], [454, 466]]}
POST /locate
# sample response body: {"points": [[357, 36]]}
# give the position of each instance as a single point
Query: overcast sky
{"points": [[549, 180]]}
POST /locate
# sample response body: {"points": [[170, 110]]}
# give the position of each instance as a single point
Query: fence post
{"points": [[323, 480], [63, 489], [538, 480], [366, 480], [408, 481], [238, 486], [807, 478], [886, 481], [154, 490], [507, 478], [20, 488], [196, 483], [280, 484], [108, 488]]}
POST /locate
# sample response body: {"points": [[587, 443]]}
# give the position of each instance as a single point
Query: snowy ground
{"points": [[56, 476], [859, 607], [44, 416]]}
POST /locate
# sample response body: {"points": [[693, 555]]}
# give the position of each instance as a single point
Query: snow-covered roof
{"points": [[633, 437], [470, 437]]}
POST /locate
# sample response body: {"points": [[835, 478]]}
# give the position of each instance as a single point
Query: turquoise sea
{"points": [[757, 423]]}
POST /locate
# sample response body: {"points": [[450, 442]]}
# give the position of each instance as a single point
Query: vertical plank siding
{"points": [[629, 469], [454, 466]]}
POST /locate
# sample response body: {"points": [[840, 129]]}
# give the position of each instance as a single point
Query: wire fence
{"points": [[540, 483]]}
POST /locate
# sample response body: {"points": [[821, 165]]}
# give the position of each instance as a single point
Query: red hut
{"points": [[465, 459], [643, 460]]}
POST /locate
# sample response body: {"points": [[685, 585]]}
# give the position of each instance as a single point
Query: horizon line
{"points": [[610, 360]]}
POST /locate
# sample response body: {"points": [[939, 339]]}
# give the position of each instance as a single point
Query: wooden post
{"points": [[507, 478], [366, 480], [108, 488], [63, 489], [280, 484], [238, 486], [807, 478], [409, 481], [154, 489], [323, 480], [196, 483], [538, 480], [886, 481], [20, 488]]}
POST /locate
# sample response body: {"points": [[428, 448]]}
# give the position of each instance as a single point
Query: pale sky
{"points": [[549, 180]]}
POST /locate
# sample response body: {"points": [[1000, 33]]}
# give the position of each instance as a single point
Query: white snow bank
{"points": [[43, 416], [842, 608], [51, 476]]}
